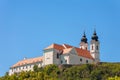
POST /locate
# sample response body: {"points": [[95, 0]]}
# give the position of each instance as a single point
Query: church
{"points": [[61, 54]]}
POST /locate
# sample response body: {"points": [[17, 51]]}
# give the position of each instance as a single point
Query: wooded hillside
{"points": [[101, 71]]}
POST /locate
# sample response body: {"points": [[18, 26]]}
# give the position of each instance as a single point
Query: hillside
{"points": [[101, 71]]}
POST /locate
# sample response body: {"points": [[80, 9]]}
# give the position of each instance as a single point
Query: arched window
{"points": [[92, 47], [97, 47]]}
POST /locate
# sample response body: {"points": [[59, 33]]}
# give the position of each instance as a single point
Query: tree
{"points": [[35, 68]]}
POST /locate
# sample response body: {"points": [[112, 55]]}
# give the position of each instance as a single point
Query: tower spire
{"points": [[84, 34], [95, 31], [84, 43], [84, 39], [95, 47], [94, 37]]}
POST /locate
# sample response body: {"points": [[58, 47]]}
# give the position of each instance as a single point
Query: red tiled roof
{"points": [[55, 46], [66, 48], [28, 61], [83, 53]]}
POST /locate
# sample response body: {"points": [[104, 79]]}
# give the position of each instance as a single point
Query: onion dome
{"points": [[84, 39], [94, 37]]}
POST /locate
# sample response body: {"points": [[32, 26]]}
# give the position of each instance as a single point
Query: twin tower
{"points": [[94, 45]]}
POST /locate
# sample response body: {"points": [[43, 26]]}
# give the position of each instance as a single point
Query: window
{"points": [[80, 59], [30, 66], [12, 70], [97, 47], [47, 58], [23, 67], [65, 61], [57, 55], [19, 68], [86, 61], [92, 47], [26, 67], [61, 61]]}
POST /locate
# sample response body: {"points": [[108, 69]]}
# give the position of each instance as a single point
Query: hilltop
{"points": [[101, 71]]}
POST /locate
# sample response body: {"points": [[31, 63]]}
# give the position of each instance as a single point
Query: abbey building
{"points": [[63, 54]]}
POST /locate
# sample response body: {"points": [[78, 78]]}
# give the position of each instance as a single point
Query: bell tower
{"points": [[84, 43], [95, 47]]}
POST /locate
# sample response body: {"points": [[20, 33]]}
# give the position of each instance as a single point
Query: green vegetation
{"points": [[101, 71]]}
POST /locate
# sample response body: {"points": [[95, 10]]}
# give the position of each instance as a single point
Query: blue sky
{"points": [[28, 26]]}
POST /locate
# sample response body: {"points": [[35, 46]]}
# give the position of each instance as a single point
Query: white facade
{"points": [[74, 59], [48, 57], [84, 46], [67, 58], [94, 50], [24, 66], [21, 68]]}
